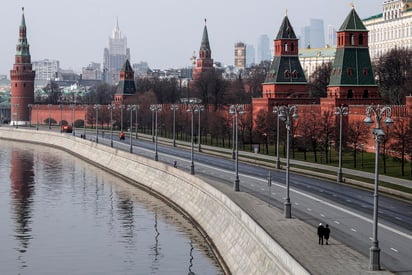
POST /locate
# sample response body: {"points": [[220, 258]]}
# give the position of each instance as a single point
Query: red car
{"points": [[67, 129], [121, 136]]}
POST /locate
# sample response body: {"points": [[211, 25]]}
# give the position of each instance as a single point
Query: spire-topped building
{"points": [[352, 78], [204, 63], [115, 55], [22, 79], [285, 78]]}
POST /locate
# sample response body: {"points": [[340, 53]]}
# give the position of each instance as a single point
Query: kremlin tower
{"points": [[22, 80], [204, 63]]}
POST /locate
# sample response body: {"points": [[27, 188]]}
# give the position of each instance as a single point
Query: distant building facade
{"points": [[240, 55], [313, 36], [390, 29], [311, 59], [92, 72], [331, 42], [46, 70], [250, 55], [115, 55]]}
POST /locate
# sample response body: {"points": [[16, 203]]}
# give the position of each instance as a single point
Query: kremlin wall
{"points": [[352, 82]]}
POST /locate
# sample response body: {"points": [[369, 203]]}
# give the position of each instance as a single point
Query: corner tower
{"points": [[22, 79], [352, 79], [285, 78], [204, 63]]}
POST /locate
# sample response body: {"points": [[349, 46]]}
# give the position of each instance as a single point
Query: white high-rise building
{"points": [[390, 29], [46, 70], [115, 56], [331, 36]]}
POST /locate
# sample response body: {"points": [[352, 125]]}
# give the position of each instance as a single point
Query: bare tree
{"points": [[357, 134]]}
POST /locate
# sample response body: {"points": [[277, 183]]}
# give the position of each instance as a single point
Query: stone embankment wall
{"points": [[241, 245]]}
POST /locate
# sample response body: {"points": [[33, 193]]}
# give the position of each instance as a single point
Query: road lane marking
{"points": [[393, 249], [309, 209], [337, 222], [354, 230], [322, 215], [400, 219]]}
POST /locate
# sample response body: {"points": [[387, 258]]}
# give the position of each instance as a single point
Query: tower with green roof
{"points": [[352, 79], [285, 78]]}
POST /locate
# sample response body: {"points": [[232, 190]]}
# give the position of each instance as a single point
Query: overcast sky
{"points": [[163, 33]]}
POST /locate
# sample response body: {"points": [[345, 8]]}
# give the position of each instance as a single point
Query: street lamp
{"points": [[155, 108], [233, 138], [287, 114], [111, 107], [340, 111], [131, 108], [199, 148], [30, 108], [84, 122], [49, 106], [16, 106], [236, 110], [61, 117], [37, 117], [121, 117], [137, 125], [96, 107], [276, 110], [174, 108], [379, 112], [73, 106], [193, 106]]}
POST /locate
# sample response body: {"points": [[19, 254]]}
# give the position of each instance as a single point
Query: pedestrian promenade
{"points": [[299, 238]]}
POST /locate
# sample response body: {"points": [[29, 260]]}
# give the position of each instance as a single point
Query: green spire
{"points": [[286, 30], [22, 48], [353, 22], [205, 46]]}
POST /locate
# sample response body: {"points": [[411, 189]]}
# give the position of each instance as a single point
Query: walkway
{"points": [[300, 239]]}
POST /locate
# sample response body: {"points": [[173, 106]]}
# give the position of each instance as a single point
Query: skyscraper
{"points": [[115, 55], [263, 49], [331, 36], [317, 33], [250, 55], [240, 55]]}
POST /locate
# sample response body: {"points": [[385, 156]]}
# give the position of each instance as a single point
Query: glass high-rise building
{"points": [[263, 49]]}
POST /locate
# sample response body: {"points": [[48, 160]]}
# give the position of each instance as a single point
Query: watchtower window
{"points": [[292, 47], [350, 94], [360, 39], [352, 39], [349, 71], [285, 47], [365, 94]]}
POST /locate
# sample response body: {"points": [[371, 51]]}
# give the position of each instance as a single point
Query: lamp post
{"points": [[233, 138], [174, 108], [193, 106], [155, 108], [84, 122], [276, 110], [199, 148], [73, 106], [131, 108], [37, 117], [236, 110], [96, 107], [111, 107], [137, 125], [49, 106], [379, 112], [16, 106], [61, 117], [362, 148], [288, 114], [340, 111], [121, 117], [30, 108]]}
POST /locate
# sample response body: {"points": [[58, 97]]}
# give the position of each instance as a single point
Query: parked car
{"points": [[67, 128]]}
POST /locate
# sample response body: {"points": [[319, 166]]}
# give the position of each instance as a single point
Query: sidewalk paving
{"points": [[300, 239]]}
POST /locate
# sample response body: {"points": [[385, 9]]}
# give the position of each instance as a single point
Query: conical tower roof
{"points": [[286, 30], [353, 22], [127, 67], [205, 46], [22, 48]]}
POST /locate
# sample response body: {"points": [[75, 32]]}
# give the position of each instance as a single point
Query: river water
{"points": [[61, 215]]}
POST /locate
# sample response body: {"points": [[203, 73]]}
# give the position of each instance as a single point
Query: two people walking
{"points": [[323, 233]]}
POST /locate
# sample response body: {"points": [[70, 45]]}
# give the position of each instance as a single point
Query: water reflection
{"points": [[22, 189], [65, 211]]}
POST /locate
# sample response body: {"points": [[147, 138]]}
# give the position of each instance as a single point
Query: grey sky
{"points": [[163, 33]]}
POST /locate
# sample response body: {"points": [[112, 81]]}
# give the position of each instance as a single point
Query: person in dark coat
{"points": [[326, 233], [321, 230]]}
